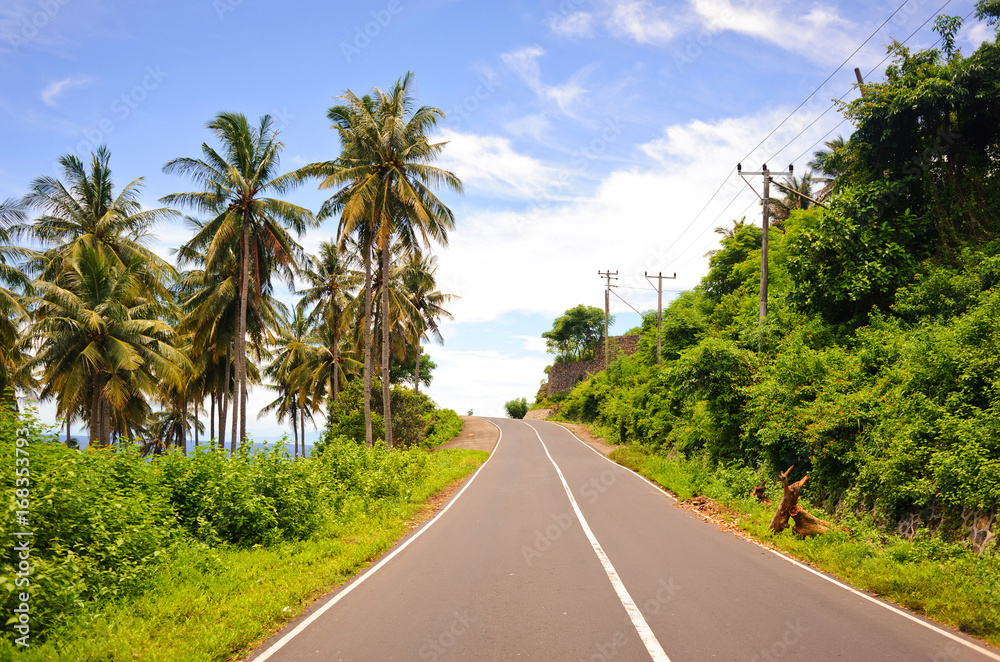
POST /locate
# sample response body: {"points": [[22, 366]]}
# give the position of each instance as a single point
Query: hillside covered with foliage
{"points": [[877, 369]]}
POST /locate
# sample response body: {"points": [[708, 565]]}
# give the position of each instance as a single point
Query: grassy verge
{"points": [[219, 604], [927, 575]]}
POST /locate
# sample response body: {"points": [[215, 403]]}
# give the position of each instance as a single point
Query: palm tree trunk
{"points": [[336, 361], [184, 422], [196, 405], [105, 421], [68, 417], [211, 419], [416, 370], [224, 398], [302, 426], [386, 409], [234, 399], [295, 428], [95, 413], [368, 346], [242, 337]]}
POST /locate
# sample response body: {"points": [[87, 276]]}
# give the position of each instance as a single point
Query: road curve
{"points": [[553, 552]]}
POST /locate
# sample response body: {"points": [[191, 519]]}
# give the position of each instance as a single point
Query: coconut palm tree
{"points": [[782, 208], [246, 222], [331, 284], [83, 212], [419, 278], [13, 357], [101, 341], [383, 181], [291, 347]]}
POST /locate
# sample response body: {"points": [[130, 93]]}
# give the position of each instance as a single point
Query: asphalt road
{"points": [[516, 569]]}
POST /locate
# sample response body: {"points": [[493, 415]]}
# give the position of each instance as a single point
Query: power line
{"points": [[726, 178], [790, 142]]}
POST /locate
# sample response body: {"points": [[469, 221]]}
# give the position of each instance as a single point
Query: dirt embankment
{"points": [[477, 434]]}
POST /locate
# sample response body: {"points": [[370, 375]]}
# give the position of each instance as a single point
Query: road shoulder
{"points": [[477, 434]]}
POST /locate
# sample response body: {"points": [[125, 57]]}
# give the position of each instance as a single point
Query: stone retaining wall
{"points": [[564, 376]]}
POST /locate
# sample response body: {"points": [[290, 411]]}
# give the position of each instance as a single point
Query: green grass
{"points": [[220, 604], [927, 575]]}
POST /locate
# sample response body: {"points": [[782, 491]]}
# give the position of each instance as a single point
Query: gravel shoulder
{"points": [[477, 434]]}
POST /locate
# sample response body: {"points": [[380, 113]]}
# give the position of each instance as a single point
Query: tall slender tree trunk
{"points": [[197, 403], [295, 429], [302, 426], [224, 398], [336, 360], [184, 422], [235, 403], [105, 421], [386, 409], [368, 346], [242, 337], [211, 419], [416, 370], [68, 417], [95, 412]]}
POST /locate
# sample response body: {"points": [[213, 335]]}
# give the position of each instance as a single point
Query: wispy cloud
{"points": [[575, 25], [785, 25], [55, 90], [490, 164], [642, 22], [524, 63]]}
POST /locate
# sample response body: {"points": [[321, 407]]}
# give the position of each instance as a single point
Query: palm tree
{"points": [[420, 283], [331, 285], [829, 164], [84, 212], [13, 358], [292, 348], [782, 208], [382, 181], [246, 223], [101, 340]]}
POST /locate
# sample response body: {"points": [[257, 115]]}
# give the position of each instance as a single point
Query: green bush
{"points": [[517, 408]]}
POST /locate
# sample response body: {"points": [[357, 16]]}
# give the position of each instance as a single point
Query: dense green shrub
{"points": [[516, 408], [103, 520]]}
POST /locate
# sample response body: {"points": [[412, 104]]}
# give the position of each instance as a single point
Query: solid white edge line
{"points": [[322, 610], [638, 620], [965, 642]]}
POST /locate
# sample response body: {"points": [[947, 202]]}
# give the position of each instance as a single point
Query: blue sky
{"points": [[590, 134]]}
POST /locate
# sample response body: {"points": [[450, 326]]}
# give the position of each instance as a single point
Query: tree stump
{"points": [[758, 493], [788, 507]]}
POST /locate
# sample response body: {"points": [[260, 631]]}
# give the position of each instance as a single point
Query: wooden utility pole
{"points": [[609, 275], [766, 200], [659, 307]]}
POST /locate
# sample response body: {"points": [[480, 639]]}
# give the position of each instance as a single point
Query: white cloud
{"points": [[574, 25], [490, 164], [976, 33], [533, 343], [483, 380], [543, 256], [641, 21], [54, 90], [524, 63], [820, 34]]}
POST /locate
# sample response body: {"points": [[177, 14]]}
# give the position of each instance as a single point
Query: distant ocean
{"points": [[257, 444]]}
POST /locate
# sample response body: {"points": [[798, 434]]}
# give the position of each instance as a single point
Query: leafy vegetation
{"points": [[141, 352], [575, 335], [516, 408], [876, 371], [113, 532]]}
